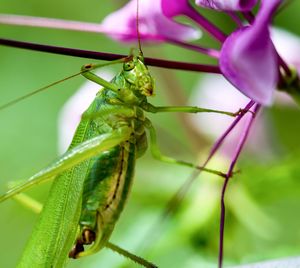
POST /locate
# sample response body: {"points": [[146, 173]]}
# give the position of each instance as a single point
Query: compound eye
{"points": [[128, 66]]}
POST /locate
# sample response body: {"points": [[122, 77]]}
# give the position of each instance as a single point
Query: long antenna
{"points": [[137, 27], [4, 106]]}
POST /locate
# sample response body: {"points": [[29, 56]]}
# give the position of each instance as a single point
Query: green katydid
{"points": [[86, 199], [93, 178]]}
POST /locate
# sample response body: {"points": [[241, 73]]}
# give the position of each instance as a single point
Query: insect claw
{"points": [[238, 171], [77, 248], [233, 173], [243, 111]]}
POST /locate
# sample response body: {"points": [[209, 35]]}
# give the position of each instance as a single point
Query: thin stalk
{"points": [[110, 56], [228, 176], [235, 18], [50, 23], [249, 17]]}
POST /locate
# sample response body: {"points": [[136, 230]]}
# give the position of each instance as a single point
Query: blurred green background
{"points": [[263, 201]]}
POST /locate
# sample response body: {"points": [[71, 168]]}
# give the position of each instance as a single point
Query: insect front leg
{"points": [[121, 87], [86, 71]]}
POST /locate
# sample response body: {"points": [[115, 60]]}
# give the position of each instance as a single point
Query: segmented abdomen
{"points": [[106, 189]]}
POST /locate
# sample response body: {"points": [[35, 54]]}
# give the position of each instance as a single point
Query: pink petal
{"points": [[234, 5], [249, 60], [153, 24], [172, 8]]}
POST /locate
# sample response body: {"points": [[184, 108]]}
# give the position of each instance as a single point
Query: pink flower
{"points": [[153, 25], [224, 96]]}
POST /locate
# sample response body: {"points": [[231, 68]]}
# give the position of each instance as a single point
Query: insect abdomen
{"points": [[105, 192]]}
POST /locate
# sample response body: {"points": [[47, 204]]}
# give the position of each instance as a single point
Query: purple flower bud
{"points": [[234, 5], [249, 60]]}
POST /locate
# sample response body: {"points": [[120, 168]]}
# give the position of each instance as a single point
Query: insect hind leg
{"points": [[155, 151], [130, 256]]}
